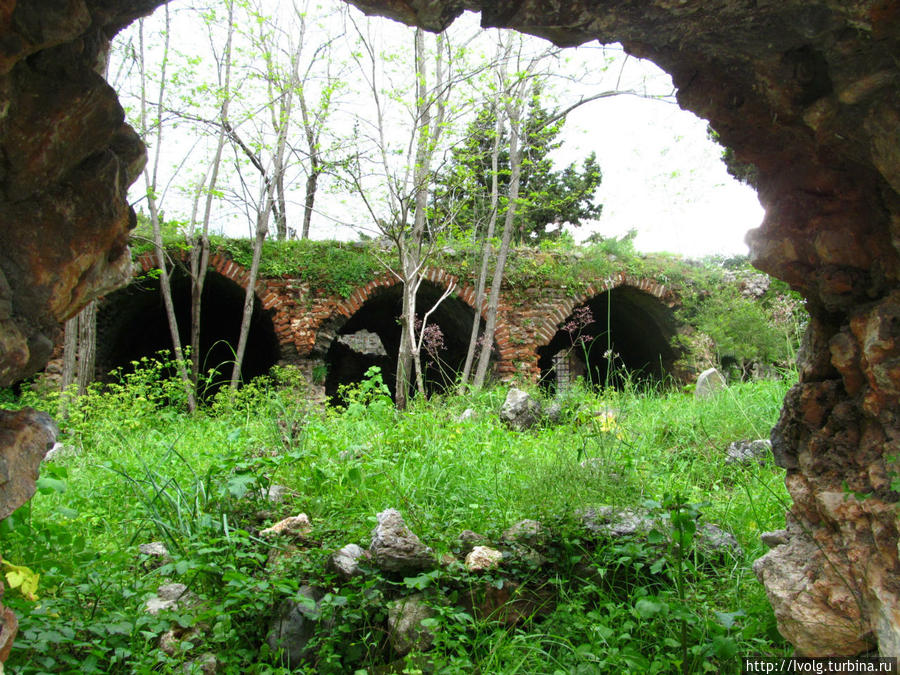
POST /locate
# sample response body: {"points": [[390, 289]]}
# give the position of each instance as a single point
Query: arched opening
{"points": [[132, 323], [371, 337], [618, 337]]}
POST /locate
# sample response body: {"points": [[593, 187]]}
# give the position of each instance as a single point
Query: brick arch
{"points": [[326, 328], [269, 299], [547, 329]]}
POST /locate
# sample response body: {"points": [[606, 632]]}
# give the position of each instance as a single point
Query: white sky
{"points": [[661, 174]]}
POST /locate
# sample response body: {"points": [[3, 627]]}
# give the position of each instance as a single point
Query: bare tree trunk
{"points": [[515, 160], [200, 248], [164, 282], [262, 228], [87, 346], [486, 248], [70, 353]]}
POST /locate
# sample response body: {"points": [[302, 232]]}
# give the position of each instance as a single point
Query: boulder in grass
{"points": [[528, 532], [395, 548], [405, 630], [345, 561], [709, 382], [294, 526], [170, 597], [483, 558], [295, 625], [519, 410], [748, 452]]}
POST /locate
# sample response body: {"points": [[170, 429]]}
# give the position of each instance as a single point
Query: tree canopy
{"points": [[549, 198]]}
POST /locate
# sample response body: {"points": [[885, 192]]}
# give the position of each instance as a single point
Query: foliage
{"points": [[546, 196], [142, 469]]}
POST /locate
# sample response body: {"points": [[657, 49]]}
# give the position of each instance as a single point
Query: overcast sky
{"points": [[662, 176]]}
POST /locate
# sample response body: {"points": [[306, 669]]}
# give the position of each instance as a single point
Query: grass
{"points": [[143, 470]]}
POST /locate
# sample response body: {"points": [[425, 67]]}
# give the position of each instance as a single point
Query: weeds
{"points": [[146, 470]]}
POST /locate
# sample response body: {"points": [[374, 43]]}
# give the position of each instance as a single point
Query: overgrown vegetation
{"points": [[138, 468]]}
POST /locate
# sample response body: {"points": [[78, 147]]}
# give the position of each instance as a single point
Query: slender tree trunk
{"points": [[262, 228], [200, 249], [515, 159], [486, 248], [87, 346], [164, 282]]}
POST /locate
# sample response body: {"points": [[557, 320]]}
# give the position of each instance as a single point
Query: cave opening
{"points": [[619, 337], [131, 324], [371, 337]]}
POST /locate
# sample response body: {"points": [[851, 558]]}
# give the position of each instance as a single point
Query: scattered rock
{"points": [[208, 664], [275, 494], [294, 526], [467, 414], [610, 522], [295, 625], [554, 413], [714, 542], [395, 548], [468, 540], [747, 452], [405, 630], [172, 642], [57, 451], [345, 561], [154, 549], [483, 558], [709, 382], [170, 596], [519, 410], [774, 538], [153, 555], [528, 532]]}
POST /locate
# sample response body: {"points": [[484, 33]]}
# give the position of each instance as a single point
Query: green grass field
{"points": [[139, 469]]}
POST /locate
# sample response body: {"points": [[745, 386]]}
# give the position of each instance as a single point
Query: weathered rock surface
{"points": [[295, 625], [708, 383], [405, 630], [345, 561], [395, 548], [748, 452], [170, 596], [528, 532], [25, 437], [292, 526], [483, 558], [519, 410]]}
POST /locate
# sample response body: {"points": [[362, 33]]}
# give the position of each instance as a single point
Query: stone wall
{"points": [[307, 320]]}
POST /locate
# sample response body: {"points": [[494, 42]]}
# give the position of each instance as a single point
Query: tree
{"points": [[547, 196], [151, 183], [396, 188]]}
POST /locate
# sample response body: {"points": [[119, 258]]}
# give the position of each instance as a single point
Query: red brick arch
{"points": [[438, 277], [269, 300], [554, 319]]}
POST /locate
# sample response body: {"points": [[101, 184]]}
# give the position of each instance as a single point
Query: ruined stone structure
{"points": [[299, 325], [807, 90]]}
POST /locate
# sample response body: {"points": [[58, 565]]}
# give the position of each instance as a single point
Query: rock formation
{"points": [[806, 90]]}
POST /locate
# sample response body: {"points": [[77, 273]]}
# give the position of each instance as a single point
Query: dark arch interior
{"points": [[132, 323], [381, 315], [618, 336]]}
